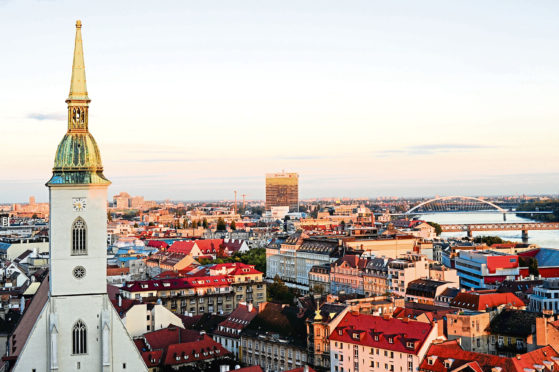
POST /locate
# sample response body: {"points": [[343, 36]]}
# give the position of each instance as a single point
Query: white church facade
{"points": [[71, 324]]}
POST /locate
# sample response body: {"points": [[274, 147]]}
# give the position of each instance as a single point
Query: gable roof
{"points": [[382, 332], [484, 300]]}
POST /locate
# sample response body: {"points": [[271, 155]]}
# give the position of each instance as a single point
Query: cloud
{"points": [[42, 117], [430, 149]]}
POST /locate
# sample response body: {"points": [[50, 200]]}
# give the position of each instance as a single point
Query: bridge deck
{"points": [[500, 226]]}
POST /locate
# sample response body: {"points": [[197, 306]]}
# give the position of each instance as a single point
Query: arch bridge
{"points": [[455, 204]]}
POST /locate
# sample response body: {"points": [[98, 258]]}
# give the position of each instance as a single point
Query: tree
{"points": [[279, 292], [221, 225], [205, 223], [233, 226], [151, 224], [438, 228], [488, 240], [135, 225]]}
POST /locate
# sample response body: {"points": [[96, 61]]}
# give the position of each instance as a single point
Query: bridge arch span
{"points": [[442, 198]]}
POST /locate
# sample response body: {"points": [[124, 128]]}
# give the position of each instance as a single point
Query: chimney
{"points": [[119, 300], [21, 305], [306, 368], [250, 307]]}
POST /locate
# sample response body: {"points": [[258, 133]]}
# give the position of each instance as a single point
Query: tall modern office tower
{"points": [[282, 190]]}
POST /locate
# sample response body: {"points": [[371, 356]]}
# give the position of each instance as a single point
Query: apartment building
{"points": [[405, 269], [204, 292], [372, 343]]}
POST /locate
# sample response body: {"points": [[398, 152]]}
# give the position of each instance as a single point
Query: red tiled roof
{"points": [[209, 246], [237, 320], [183, 247], [383, 333], [300, 369], [152, 358], [162, 338], [535, 357], [188, 352], [451, 350], [177, 283], [250, 369], [160, 244], [483, 300], [460, 357]]}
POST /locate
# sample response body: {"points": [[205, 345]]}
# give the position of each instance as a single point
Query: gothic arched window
{"points": [[79, 237], [79, 338]]}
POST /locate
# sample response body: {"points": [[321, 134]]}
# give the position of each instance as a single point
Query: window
{"points": [[79, 338], [79, 236]]}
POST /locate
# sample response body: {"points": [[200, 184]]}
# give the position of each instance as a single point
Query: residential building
{"points": [[346, 275], [372, 343], [405, 269], [512, 332], [319, 279], [426, 291], [275, 339], [292, 259], [319, 328], [282, 189], [173, 348], [486, 300], [216, 289], [545, 297], [228, 332], [375, 276], [139, 317], [470, 328], [450, 356]]}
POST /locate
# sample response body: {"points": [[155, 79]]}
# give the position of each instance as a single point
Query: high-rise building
{"points": [[71, 324], [282, 190]]}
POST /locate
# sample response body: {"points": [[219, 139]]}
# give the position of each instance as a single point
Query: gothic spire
{"points": [[78, 87]]}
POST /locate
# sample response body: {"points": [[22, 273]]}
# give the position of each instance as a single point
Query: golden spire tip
{"points": [[78, 24]]}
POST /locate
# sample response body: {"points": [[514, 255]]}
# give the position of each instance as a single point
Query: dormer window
{"points": [[376, 337], [410, 344], [390, 340], [431, 360], [448, 363], [355, 336]]}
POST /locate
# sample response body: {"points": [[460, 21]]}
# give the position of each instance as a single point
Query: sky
{"points": [[192, 100]]}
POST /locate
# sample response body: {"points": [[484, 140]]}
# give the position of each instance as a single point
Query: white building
{"points": [[363, 342], [71, 324], [545, 297]]}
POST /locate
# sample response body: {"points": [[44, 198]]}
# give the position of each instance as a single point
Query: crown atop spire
{"points": [[78, 86]]}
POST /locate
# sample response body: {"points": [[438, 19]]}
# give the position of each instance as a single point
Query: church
{"points": [[71, 324]]}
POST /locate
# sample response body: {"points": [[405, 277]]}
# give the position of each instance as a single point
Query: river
{"points": [[543, 238]]}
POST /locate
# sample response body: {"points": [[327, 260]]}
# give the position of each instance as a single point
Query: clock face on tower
{"points": [[78, 204]]}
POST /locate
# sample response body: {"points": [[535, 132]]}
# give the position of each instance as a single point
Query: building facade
{"points": [[282, 189]]}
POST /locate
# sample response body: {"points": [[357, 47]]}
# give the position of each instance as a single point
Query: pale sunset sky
{"points": [[194, 99]]}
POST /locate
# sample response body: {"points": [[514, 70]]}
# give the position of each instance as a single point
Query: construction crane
{"points": [[244, 204], [235, 205]]}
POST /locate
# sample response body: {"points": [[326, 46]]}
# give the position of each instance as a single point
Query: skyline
{"points": [[334, 97]]}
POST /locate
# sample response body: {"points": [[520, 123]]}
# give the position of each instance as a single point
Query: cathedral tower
{"points": [[75, 326]]}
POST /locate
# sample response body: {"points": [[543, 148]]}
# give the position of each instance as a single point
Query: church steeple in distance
{"points": [[77, 159]]}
